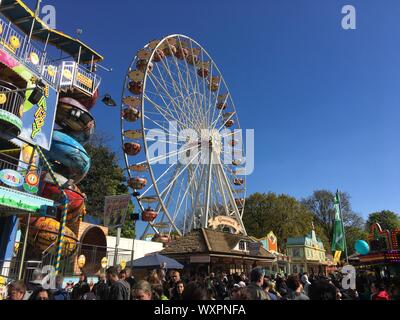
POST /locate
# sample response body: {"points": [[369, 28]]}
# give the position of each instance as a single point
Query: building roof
{"points": [[310, 239], [211, 241]]}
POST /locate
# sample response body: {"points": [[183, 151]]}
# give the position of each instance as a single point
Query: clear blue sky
{"points": [[324, 102]]}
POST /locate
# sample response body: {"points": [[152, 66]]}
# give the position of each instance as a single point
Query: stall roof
{"points": [[22, 16]]}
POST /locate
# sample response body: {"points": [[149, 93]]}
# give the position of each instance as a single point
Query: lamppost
{"points": [[134, 217]]}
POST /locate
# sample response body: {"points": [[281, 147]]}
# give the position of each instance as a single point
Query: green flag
{"points": [[338, 232]]}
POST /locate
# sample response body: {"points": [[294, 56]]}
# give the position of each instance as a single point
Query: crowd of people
{"points": [[160, 284]]}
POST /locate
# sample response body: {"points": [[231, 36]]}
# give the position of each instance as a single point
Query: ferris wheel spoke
{"points": [[179, 113], [220, 184], [185, 195], [231, 197], [180, 91], [159, 178], [183, 170], [165, 113], [165, 210], [175, 212], [176, 106], [191, 106]]}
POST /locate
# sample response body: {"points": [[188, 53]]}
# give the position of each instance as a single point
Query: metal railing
{"points": [[74, 75], [93, 256], [24, 50], [37, 60], [14, 100]]}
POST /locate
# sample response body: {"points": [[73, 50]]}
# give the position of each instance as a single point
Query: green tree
{"points": [[282, 214], [388, 220], [321, 204], [105, 178]]}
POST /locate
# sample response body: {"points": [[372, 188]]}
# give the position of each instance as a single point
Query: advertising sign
{"points": [[115, 208], [11, 178], [37, 120]]}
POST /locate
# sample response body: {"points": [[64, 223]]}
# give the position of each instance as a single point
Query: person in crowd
{"points": [[16, 290], [130, 278], [255, 285], [76, 291], [123, 276], [281, 286], [305, 282], [60, 293], [194, 291], [323, 289], [239, 293], [180, 288], [266, 287], [101, 289], [159, 293], [295, 289], [35, 284], [175, 279], [118, 290], [143, 290], [154, 279], [41, 294], [379, 291], [272, 289]]}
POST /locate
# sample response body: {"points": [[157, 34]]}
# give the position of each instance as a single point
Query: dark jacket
{"points": [[101, 290], [256, 292], [118, 291]]}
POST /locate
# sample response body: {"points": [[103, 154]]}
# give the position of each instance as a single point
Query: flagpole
{"points": [[343, 231]]}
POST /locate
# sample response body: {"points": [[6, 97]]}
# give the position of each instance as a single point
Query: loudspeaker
{"points": [[35, 96]]}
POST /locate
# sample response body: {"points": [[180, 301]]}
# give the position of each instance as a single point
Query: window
{"points": [[242, 246]]}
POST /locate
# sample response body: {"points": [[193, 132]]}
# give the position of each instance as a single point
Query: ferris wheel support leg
{"points": [[208, 194], [221, 185], [232, 198], [198, 191]]}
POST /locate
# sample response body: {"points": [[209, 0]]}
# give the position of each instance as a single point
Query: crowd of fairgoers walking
{"points": [[116, 284]]}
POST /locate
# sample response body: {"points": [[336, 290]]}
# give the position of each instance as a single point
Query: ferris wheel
{"points": [[182, 145]]}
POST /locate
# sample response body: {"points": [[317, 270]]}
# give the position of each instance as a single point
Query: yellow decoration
{"points": [[67, 74], [3, 98], [51, 71], [104, 262], [21, 110], [34, 58], [336, 258], [81, 261], [15, 43], [122, 264], [1, 28]]}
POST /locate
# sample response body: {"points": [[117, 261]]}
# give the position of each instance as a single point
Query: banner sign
{"points": [[37, 120], [115, 208]]}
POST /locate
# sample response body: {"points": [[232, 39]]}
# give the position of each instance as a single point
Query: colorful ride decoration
{"points": [[75, 119], [44, 233], [361, 247], [68, 157], [383, 247], [76, 200]]}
